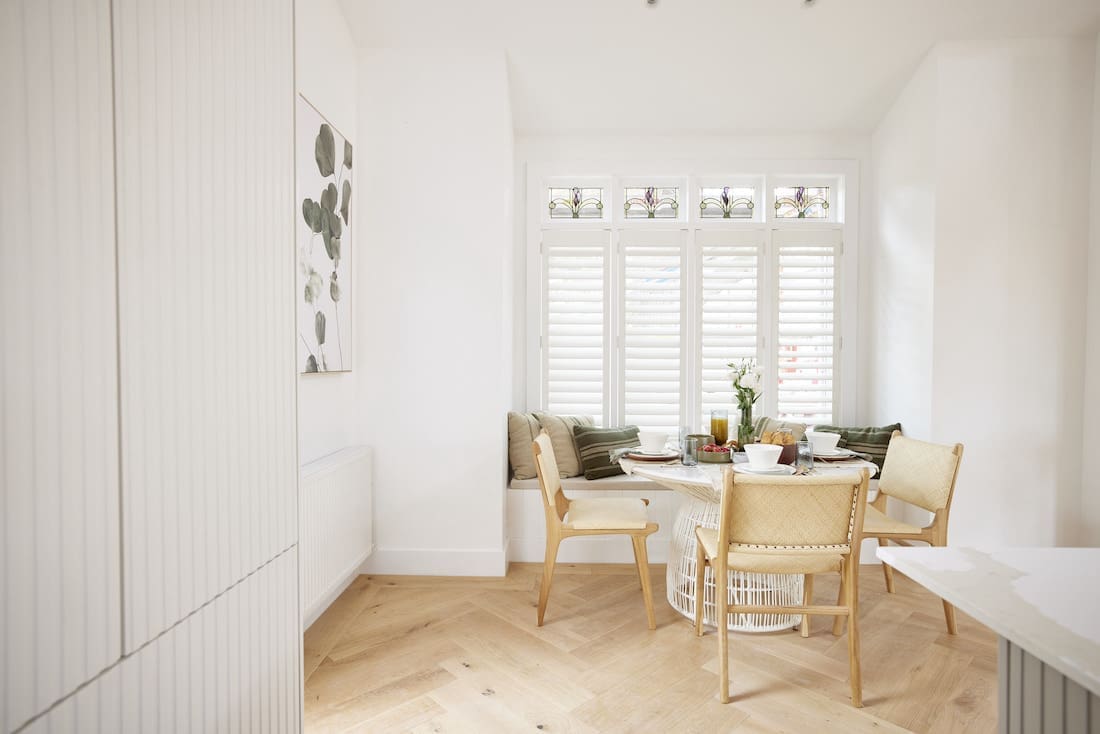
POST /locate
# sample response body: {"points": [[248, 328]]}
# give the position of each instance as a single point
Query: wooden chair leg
{"points": [[721, 618], [547, 574], [949, 615], [887, 571], [855, 674], [807, 599], [838, 621], [641, 557], [700, 580]]}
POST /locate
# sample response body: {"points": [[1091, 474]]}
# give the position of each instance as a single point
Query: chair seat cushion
{"points": [[776, 562], [876, 523], [606, 513]]}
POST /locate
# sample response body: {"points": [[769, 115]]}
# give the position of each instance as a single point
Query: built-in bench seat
{"points": [[618, 482]]}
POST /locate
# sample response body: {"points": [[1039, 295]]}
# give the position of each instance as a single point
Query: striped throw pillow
{"points": [[594, 446], [871, 441]]}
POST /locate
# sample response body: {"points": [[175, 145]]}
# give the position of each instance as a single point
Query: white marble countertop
{"points": [[1045, 600]]}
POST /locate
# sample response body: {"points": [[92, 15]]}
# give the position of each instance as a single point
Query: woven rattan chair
{"points": [[921, 474], [785, 525], [595, 516]]}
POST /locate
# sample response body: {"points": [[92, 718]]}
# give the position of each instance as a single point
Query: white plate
{"points": [[646, 456], [834, 454], [777, 470]]}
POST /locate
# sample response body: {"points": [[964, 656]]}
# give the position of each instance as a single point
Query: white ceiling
{"points": [[766, 66]]}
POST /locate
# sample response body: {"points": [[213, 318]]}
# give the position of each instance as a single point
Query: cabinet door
{"points": [[204, 108], [59, 466]]}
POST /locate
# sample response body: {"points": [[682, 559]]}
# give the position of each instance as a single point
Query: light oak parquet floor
{"points": [[429, 654]]}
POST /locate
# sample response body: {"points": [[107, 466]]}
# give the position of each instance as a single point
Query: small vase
{"points": [[744, 426]]}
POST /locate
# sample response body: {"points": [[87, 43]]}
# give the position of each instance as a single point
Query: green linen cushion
{"points": [[870, 440], [594, 445], [522, 429], [560, 429], [764, 424]]}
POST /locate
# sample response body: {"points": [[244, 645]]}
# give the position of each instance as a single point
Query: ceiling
{"points": [[747, 66]]}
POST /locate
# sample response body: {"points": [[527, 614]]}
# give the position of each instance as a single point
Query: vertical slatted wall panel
{"points": [[59, 505], [729, 265], [230, 667], [1035, 698], [204, 95], [652, 328]]}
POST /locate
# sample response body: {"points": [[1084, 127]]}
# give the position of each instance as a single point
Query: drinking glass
{"points": [[691, 450], [805, 459], [720, 425]]}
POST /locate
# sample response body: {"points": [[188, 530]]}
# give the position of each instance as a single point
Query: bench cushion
{"points": [[573, 484]]}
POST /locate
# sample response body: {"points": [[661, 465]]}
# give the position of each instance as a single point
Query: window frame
{"points": [[842, 176]]}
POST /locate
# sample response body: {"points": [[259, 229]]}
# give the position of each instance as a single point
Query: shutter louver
{"points": [[729, 332], [651, 343], [574, 341], [805, 325]]}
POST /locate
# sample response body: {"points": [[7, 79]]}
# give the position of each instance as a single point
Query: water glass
{"points": [[691, 451], [805, 459]]}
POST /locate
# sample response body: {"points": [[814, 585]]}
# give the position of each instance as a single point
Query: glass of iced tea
{"points": [[720, 426]]}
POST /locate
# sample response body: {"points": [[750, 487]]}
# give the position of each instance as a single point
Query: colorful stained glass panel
{"points": [[651, 202], [576, 203], [802, 202], [726, 202]]}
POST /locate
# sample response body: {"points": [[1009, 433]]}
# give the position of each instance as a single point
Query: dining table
{"points": [[701, 487]]}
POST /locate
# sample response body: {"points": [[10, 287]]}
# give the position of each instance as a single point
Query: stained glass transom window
{"points": [[576, 203], [802, 202], [727, 202], [651, 202]]}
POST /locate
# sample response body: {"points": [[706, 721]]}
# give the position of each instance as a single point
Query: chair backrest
{"points": [[920, 473], [546, 467], [813, 514]]}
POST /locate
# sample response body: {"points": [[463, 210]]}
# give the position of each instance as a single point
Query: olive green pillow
{"points": [[522, 429], [596, 444], [870, 440], [560, 428]]}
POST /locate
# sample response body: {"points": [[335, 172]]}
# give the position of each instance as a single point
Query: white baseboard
{"points": [[607, 549], [318, 608], [436, 562]]}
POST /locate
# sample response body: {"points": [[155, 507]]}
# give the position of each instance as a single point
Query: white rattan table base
{"points": [[744, 588]]}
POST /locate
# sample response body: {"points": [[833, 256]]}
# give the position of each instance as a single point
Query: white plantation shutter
{"points": [[575, 335], [652, 318], [729, 266], [805, 324]]}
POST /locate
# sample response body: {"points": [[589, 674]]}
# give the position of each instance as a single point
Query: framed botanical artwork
{"points": [[323, 240]]}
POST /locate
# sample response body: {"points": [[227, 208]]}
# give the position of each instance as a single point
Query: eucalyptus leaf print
{"points": [[323, 240], [328, 198], [319, 327], [325, 150], [334, 288]]}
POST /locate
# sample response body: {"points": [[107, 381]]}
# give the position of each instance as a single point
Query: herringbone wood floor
{"points": [[464, 655]]}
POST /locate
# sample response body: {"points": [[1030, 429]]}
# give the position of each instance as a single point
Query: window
{"points": [[802, 202], [639, 318], [576, 202]]}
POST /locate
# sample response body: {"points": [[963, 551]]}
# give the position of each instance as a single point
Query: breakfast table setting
{"points": [[695, 469]]}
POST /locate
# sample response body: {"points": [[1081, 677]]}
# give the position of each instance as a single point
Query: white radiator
{"points": [[335, 534]]}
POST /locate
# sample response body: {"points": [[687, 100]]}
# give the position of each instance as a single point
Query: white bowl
{"points": [[763, 455], [823, 441], [653, 442]]}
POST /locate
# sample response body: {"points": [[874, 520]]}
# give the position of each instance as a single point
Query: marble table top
{"points": [[1045, 600]]}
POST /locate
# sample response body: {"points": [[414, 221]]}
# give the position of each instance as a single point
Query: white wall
{"points": [[1008, 279], [436, 231], [901, 256], [330, 405], [1088, 531]]}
